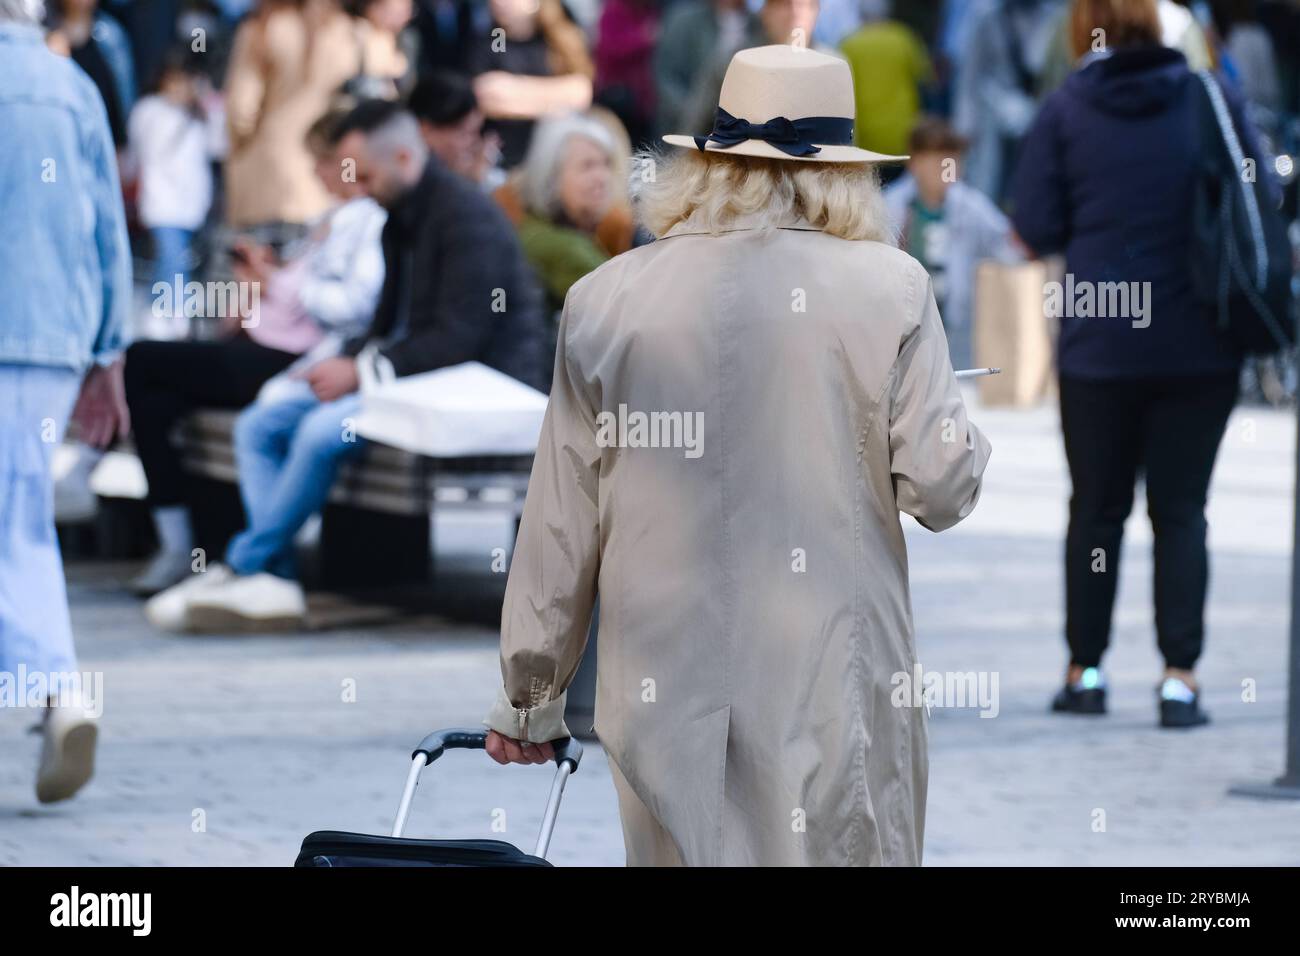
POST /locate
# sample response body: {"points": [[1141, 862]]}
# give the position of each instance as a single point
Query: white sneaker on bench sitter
{"points": [[252, 602], [169, 609]]}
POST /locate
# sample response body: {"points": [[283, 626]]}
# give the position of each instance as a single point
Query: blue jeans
{"points": [[35, 630], [171, 253], [288, 451]]}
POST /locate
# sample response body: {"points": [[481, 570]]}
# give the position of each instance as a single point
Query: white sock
{"points": [[173, 526], [1172, 688]]}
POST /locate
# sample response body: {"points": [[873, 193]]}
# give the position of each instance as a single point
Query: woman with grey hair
{"points": [[740, 411], [567, 203]]}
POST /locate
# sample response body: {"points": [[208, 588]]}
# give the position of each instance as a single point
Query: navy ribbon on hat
{"points": [[792, 137]]}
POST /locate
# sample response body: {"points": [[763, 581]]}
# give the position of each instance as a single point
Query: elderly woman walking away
{"points": [[740, 411]]}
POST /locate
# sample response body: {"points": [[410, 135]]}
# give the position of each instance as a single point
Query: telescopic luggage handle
{"points": [[453, 738], [568, 754]]}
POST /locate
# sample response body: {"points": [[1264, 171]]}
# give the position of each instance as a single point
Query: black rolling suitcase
{"points": [[333, 848]]}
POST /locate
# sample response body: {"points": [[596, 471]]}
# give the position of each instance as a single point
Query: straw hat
{"points": [[785, 102]]}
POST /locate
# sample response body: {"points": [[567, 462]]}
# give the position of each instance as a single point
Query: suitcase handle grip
{"points": [[568, 750]]}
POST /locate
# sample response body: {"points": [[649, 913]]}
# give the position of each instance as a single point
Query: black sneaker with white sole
{"points": [[1087, 695], [1180, 706]]}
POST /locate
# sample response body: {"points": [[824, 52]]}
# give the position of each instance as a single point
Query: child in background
{"points": [[947, 226], [168, 142]]}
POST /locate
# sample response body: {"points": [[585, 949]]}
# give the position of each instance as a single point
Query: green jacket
{"points": [[889, 66], [560, 255]]}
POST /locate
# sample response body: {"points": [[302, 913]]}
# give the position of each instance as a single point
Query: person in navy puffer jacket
{"points": [[1106, 176]]}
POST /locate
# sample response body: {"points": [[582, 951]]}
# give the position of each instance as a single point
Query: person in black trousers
{"points": [[1107, 175], [166, 381], [457, 288], [310, 304]]}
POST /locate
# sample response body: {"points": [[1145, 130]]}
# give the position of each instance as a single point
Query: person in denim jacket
{"points": [[65, 285]]}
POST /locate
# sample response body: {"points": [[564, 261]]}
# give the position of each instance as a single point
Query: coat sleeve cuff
{"points": [[538, 725]]}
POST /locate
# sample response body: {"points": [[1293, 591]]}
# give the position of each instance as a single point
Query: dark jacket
{"points": [[1106, 175], [457, 287]]}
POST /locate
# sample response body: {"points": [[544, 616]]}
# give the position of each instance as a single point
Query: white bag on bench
{"points": [[463, 410]]}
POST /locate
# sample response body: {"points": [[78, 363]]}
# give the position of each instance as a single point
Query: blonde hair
{"points": [[712, 190]]}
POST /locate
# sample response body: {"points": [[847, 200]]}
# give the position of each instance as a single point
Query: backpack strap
{"points": [[1232, 143]]}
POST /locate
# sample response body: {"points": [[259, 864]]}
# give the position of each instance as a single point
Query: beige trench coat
{"points": [[754, 604]]}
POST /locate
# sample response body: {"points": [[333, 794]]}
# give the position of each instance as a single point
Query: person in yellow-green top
{"points": [[890, 65], [564, 203]]}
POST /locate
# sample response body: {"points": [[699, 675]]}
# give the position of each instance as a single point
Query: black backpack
{"points": [[1241, 256]]}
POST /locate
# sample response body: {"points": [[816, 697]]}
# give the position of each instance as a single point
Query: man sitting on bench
{"points": [[457, 288]]}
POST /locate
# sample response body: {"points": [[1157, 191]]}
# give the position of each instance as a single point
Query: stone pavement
{"points": [[254, 737]]}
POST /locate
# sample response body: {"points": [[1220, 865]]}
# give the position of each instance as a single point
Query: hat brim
{"points": [[757, 147]]}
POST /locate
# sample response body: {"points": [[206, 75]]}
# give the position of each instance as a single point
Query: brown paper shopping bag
{"points": [[1012, 333]]}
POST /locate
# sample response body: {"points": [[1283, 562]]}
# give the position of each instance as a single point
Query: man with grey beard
{"points": [[456, 289]]}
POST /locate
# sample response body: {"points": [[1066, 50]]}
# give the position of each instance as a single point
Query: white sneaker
{"points": [[252, 602], [67, 753], [169, 610]]}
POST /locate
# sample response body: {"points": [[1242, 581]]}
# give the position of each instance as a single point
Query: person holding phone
{"points": [[299, 306], [450, 257]]}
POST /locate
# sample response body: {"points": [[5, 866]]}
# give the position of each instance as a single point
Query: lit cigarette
{"points": [[976, 372]]}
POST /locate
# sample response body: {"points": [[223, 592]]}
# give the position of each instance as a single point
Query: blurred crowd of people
{"points": [[271, 144], [229, 92], [543, 102], [387, 174]]}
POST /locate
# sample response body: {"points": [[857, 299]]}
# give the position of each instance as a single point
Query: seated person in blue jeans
{"points": [[450, 256], [323, 295]]}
